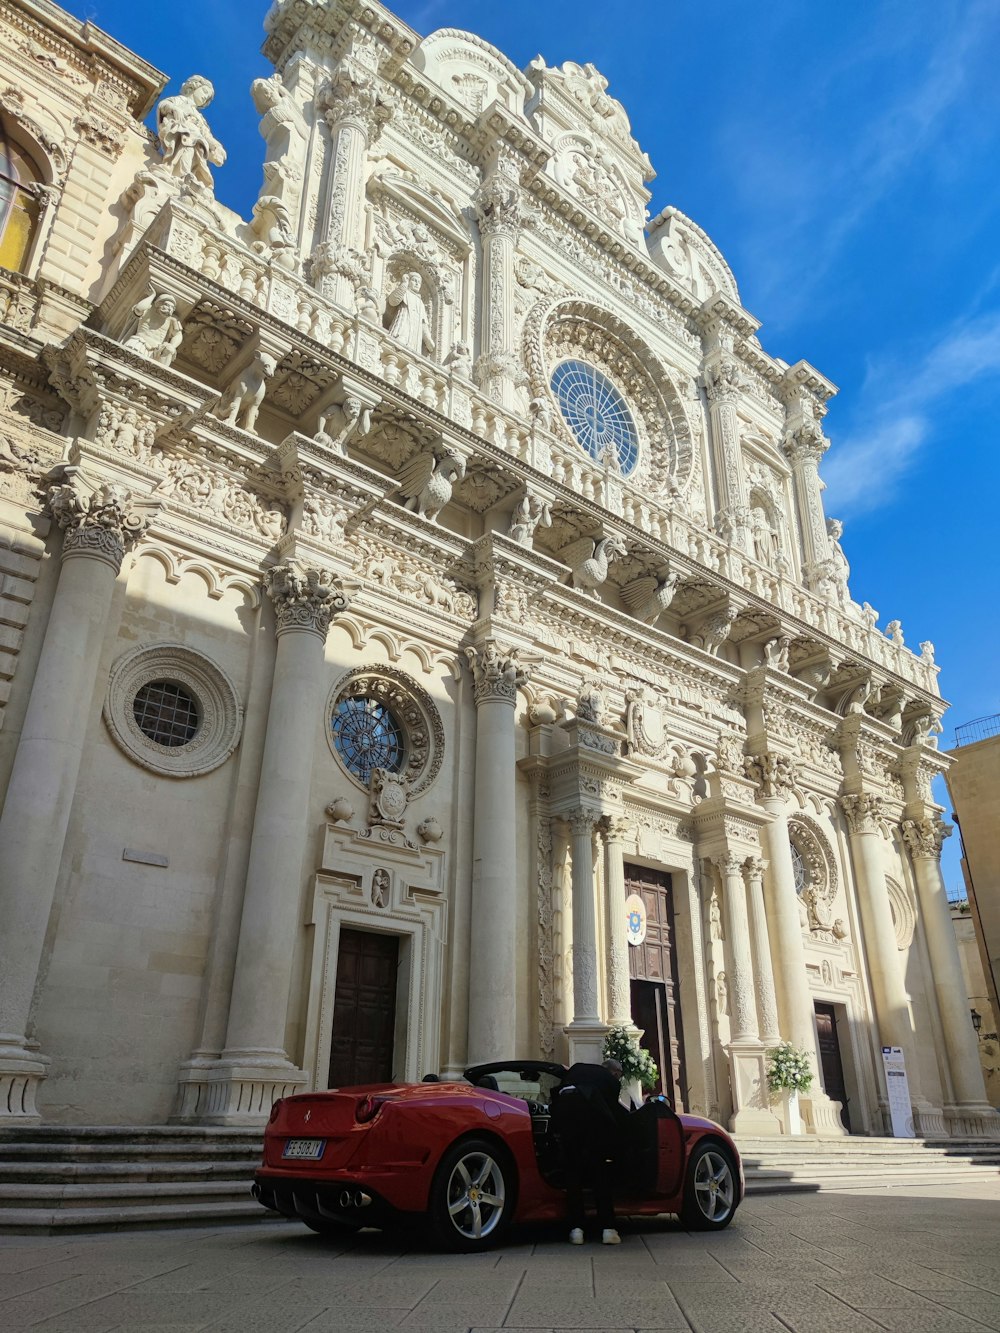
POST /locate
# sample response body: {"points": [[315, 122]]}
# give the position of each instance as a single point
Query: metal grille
{"points": [[980, 729], [166, 713], [367, 736], [597, 414], [799, 869]]}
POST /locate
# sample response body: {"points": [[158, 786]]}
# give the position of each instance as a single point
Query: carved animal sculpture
{"points": [[427, 482], [646, 597], [589, 561], [714, 631], [241, 402]]}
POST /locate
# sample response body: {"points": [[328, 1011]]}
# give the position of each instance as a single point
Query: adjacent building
{"points": [[421, 637]]}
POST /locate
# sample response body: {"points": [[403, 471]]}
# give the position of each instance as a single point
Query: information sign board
{"points": [[900, 1111]]}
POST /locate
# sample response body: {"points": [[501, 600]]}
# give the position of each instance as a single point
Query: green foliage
{"points": [[635, 1062], [788, 1069]]}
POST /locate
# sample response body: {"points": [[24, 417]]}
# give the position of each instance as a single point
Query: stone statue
{"points": [[776, 652], [589, 560], [426, 482], [159, 331], [927, 652], [530, 513], [591, 704], [715, 917], [342, 423], [840, 570], [722, 994], [284, 131], [894, 631], [459, 360], [409, 324], [186, 142], [240, 404], [869, 615]]}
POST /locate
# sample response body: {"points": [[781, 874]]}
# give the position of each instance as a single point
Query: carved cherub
{"points": [[427, 482], [187, 143], [894, 631], [158, 332], [240, 404], [776, 652]]}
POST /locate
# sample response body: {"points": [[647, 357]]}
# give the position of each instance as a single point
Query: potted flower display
{"points": [[789, 1073], [639, 1070]]}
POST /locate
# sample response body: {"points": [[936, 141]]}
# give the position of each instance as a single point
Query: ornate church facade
{"points": [[421, 637]]}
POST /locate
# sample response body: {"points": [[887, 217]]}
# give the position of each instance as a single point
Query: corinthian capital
{"points": [[723, 380], [774, 774], [302, 600], [924, 837], [863, 811], [497, 673], [101, 522], [729, 865], [615, 828], [354, 94], [499, 202], [805, 444]]}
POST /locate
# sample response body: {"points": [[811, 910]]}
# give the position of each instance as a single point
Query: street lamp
{"points": [[977, 1019]]}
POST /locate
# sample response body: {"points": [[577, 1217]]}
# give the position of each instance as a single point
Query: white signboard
{"points": [[635, 919], [900, 1110]]}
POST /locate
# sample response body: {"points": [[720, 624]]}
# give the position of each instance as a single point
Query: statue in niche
{"points": [[380, 888], [159, 331], [186, 142], [840, 570], [715, 917], [532, 512], [722, 994], [409, 323], [765, 539]]}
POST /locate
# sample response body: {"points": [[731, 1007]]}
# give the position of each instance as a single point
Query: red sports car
{"points": [[474, 1157]]}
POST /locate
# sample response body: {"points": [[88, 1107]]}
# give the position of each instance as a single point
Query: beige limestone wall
{"points": [[974, 786], [975, 981]]}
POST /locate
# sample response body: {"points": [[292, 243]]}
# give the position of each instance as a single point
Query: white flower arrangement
{"points": [[637, 1064], [788, 1070]]}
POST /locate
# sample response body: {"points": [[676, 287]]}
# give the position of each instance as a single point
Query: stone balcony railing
{"points": [[184, 235]]}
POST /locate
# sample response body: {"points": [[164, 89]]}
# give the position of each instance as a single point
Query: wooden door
{"points": [[830, 1058], [364, 1011], [656, 1002]]}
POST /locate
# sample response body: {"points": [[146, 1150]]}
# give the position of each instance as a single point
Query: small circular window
{"points": [[172, 710], [367, 735], [597, 414], [166, 713]]}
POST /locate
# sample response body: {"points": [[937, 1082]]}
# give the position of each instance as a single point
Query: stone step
{"points": [[32, 1194], [17, 1221], [181, 1169]]}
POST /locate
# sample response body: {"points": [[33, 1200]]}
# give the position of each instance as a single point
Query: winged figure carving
{"points": [[647, 596], [589, 560], [426, 482]]}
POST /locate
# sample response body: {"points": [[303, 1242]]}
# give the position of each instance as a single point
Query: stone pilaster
{"points": [[355, 108], [767, 1005], [614, 830], [804, 445], [254, 1068], [586, 1030], [499, 205], [723, 380], [497, 674], [100, 522], [923, 838]]}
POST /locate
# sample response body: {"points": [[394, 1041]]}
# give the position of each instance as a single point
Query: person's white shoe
{"points": [[610, 1237], [576, 1236]]}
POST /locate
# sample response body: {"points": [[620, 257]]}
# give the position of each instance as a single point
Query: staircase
{"points": [[53, 1178], [779, 1165]]}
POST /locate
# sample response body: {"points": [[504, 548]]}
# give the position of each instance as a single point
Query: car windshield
{"points": [[531, 1085]]}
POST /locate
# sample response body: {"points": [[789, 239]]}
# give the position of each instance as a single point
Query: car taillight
{"points": [[274, 1112], [367, 1109]]}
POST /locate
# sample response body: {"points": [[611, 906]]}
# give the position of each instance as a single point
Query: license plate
{"points": [[311, 1148]]}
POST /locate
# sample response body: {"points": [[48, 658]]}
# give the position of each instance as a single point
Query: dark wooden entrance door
{"points": [[364, 1010], [656, 1005], [830, 1058]]}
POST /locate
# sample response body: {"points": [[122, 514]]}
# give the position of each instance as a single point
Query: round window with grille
{"points": [[166, 713], [597, 414], [367, 735], [381, 719]]}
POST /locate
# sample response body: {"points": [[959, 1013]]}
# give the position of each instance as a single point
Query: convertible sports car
{"points": [[473, 1157]]}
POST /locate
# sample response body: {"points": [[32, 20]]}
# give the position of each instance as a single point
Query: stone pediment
{"points": [[471, 70]]}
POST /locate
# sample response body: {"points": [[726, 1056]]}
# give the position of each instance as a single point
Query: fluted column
{"points": [[767, 1008], [805, 444], [741, 987], [585, 997], [355, 109], [493, 963], [615, 830], [499, 204], [101, 522], [304, 606], [723, 380], [923, 838]]}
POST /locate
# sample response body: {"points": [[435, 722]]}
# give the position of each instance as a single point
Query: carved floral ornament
{"points": [[414, 714], [570, 328]]}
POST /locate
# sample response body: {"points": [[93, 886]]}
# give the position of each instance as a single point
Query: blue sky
{"points": [[845, 156]]}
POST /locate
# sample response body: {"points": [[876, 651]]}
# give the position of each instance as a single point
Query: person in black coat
{"points": [[590, 1122]]}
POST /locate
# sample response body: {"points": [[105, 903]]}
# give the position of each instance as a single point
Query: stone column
{"points": [[493, 961], [767, 1008], [775, 775], [619, 989], [254, 1068], [101, 522], [586, 1030], [723, 380], [741, 978], [499, 205], [923, 838], [804, 445], [355, 109]]}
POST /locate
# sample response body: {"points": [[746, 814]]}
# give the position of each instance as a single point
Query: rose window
{"points": [[597, 415], [367, 735], [799, 869]]}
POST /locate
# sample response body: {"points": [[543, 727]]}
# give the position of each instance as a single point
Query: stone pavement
{"points": [[919, 1260]]}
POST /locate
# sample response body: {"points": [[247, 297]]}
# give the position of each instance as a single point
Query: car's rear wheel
{"points": [[472, 1197], [710, 1189]]}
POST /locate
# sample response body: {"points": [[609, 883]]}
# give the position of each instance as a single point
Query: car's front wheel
{"points": [[710, 1189], [472, 1197]]}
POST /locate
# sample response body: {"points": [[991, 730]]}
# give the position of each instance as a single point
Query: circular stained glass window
{"points": [[597, 414], [798, 869], [166, 713], [366, 736]]}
